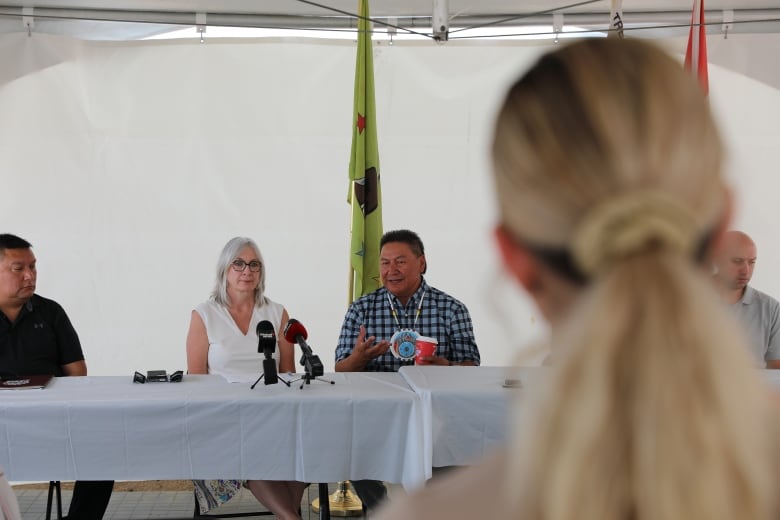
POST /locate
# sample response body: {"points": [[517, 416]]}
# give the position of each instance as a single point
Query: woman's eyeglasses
{"points": [[239, 265]]}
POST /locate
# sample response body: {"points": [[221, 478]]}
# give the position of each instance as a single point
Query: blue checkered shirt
{"points": [[442, 317]]}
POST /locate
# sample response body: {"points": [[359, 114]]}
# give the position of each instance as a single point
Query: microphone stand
{"points": [[283, 380], [312, 370], [307, 378]]}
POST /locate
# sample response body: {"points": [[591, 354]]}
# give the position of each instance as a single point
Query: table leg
{"points": [[324, 501]]}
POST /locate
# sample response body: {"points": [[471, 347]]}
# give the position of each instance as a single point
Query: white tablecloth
{"points": [[95, 428], [465, 409]]}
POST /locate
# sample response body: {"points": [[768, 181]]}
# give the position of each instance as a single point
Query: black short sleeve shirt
{"points": [[39, 342]]}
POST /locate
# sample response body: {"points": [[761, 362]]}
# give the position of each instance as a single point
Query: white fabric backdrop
{"points": [[129, 165]]}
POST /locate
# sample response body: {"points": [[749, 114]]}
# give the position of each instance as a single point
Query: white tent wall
{"points": [[129, 165]]}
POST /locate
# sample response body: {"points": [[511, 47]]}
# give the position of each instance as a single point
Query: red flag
{"points": [[696, 53]]}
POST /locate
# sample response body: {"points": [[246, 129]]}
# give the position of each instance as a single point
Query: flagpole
{"points": [[365, 198], [351, 281], [696, 28], [350, 298]]}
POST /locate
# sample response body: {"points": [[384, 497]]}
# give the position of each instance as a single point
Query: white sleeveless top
{"points": [[233, 354]]}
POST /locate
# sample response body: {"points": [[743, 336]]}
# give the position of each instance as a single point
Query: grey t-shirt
{"points": [[760, 314]]}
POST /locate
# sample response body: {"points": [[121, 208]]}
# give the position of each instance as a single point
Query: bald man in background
{"points": [[734, 262]]}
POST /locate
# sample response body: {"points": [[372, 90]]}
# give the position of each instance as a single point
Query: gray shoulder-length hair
{"points": [[229, 253]]}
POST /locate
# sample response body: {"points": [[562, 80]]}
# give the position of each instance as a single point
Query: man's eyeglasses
{"points": [[239, 265]]}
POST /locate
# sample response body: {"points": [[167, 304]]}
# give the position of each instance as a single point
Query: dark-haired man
{"points": [[735, 260], [37, 338], [404, 302]]}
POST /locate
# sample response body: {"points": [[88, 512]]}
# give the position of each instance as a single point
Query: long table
{"points": [[365, 426], [465, 409]]}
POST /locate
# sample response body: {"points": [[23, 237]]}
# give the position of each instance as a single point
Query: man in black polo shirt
{"points": [[37, 338]]}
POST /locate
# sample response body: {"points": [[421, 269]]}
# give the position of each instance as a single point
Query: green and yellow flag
{"points": [[365, 193]]}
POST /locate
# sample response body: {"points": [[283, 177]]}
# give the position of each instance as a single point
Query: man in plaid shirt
{"points": [[405, 301]]}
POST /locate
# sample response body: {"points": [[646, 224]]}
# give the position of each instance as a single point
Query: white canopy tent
{"points": [[135, 19], [130, 163]]}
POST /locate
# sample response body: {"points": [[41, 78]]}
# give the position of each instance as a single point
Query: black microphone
{"points": [[266, 338], [295, 332], [266, 343]]}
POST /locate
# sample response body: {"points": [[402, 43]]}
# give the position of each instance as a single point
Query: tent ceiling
{"points": [[138, 18], [385, 7]]}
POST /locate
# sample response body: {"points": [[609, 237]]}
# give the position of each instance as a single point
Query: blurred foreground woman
{"points": [[608, 177], [9, 507]]}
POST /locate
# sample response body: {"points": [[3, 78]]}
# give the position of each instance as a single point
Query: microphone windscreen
{"points": [[264, 328], [266, 336], [294, 329]]}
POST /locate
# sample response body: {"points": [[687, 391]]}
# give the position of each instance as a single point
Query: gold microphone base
{"points": [[343, 502]]}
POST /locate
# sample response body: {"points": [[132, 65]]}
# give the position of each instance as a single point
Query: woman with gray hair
{"points": [[222, 340], [611, 197]]}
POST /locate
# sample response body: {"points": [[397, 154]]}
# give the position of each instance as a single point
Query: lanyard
{"points": [[395, 314]]}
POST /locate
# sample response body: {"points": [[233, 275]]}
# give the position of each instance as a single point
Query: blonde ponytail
{"points": [[653, 411]]}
